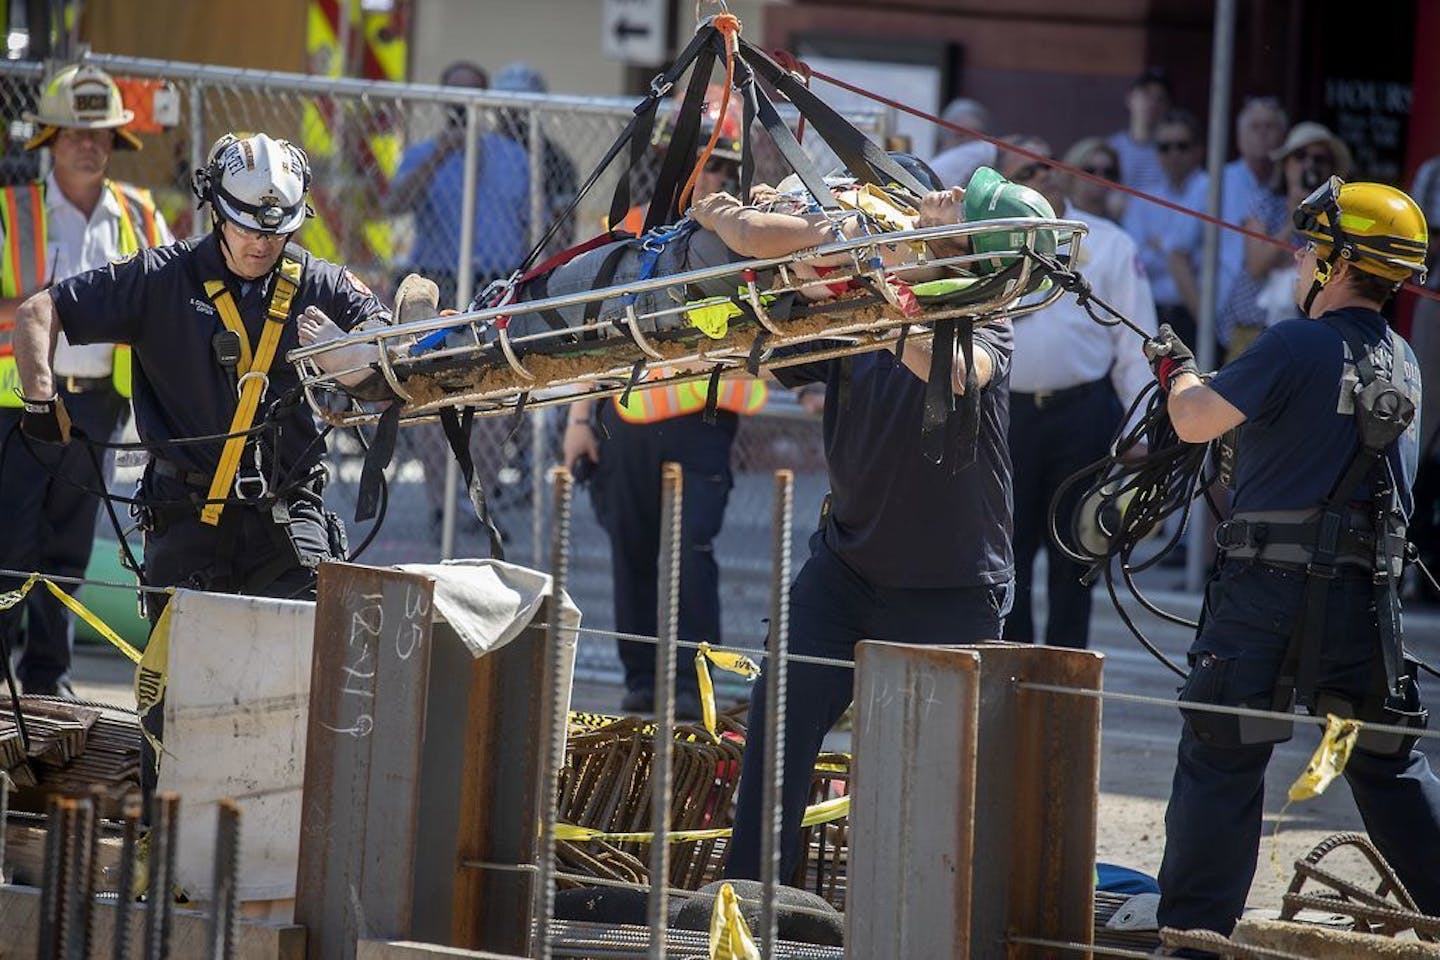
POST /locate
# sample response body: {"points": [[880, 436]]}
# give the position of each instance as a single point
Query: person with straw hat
{"points": [[74, 219]]}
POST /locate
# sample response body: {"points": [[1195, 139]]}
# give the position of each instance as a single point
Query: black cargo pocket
{"points": [[1230, 681]]}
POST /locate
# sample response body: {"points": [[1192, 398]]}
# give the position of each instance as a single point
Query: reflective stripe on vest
{"points": [[22, 217], [742, 395], [136, 206], [25, 267]]}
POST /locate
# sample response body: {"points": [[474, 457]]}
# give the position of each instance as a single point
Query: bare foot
{"points": [[351, 364]]}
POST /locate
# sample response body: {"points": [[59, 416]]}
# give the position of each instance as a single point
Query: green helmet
{"points": [[989, 196]]}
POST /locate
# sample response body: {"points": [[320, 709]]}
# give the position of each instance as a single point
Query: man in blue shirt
{"points": [[430, 184], [1294, 615]]}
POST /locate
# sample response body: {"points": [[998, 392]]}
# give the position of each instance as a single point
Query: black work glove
{"points": [[1169, 357], [46, 420]]}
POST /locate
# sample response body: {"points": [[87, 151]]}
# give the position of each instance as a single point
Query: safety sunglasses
{"points": [[1172, 146], [1107, 172], [1324, 201]]}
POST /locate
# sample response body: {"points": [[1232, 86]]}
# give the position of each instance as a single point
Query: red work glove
{"points": [[1169, 357]]}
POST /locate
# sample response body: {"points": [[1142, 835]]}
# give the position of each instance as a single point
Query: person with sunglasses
{"points": [[1169, 241], [1097, 158], [1303, 609], [1260, 293]]}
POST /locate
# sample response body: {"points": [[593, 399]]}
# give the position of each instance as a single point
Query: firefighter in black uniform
{"points": [[1303, 608], [209, 322]]}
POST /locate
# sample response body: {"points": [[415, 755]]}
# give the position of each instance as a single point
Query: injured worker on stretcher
{"points": [[719, 230]]}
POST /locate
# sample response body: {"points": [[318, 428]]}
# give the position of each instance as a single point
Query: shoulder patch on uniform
{"points": [[357, 283]]}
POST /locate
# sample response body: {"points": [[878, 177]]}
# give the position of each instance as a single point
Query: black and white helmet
{"points": [[256, 182]]}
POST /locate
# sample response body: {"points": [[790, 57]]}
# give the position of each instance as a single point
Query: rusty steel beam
{"points": [[364, 743], [974, 800]]}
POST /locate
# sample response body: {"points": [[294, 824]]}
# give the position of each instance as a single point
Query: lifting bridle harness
{"points": [[1382, 414]]}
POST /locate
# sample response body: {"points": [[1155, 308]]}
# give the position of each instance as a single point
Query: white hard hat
{"points": [[82, 97], [256, 182]]}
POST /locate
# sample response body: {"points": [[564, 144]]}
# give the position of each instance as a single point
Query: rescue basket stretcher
{"points": [[495, 372]]}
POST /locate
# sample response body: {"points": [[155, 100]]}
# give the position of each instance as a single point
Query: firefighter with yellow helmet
{"points": [[1303, 609], [73, 220]]}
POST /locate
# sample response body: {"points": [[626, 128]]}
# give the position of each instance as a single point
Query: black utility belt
{"points": [[1041, 399], [1289, 538], [74, 385]]}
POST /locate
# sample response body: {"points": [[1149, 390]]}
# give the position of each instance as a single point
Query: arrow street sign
{"points": [[634, 31]]}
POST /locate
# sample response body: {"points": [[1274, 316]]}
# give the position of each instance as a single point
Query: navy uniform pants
{"points": [[832, 608], [625, 492], [1213, 822], [183, 552], [1051, 437], [50, 526]]}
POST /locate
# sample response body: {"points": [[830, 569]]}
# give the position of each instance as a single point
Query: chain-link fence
{"points": [[393, 192]]}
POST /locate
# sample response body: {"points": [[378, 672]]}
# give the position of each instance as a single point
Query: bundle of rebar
{"points": [[74, 747]]}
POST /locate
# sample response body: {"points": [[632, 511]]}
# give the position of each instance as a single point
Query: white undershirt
{"points": [[77, 244]]}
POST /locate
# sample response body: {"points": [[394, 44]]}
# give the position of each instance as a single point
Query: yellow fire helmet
{"points": [[83, 97], [1376, 227]]}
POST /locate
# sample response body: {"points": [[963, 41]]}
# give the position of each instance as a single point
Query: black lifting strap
{"points": [[377, 458], [457, 432], [684, 144], [949, 433], [860, 155], [1300, 670]]}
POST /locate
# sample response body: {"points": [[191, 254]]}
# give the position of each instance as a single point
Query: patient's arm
{"points": [[757, 233]]}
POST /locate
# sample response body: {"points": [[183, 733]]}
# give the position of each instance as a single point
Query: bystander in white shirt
{"points": [[77, 244], [1061, 346]]}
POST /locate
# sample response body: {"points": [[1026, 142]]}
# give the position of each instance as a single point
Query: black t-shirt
{"points": [[155, 301], [897, 518]]}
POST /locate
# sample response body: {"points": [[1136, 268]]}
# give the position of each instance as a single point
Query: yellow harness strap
{"points": [[253, 370]]}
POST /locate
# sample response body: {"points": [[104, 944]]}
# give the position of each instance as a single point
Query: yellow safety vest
{"points": [[742, 395], [24, 268]]}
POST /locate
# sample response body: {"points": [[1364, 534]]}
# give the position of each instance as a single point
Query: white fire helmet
{"points": [[257, 183]]}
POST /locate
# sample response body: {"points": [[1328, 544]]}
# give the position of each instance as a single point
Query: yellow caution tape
{"points": [[151, 674], [729, 660], [730, 937], [1329, 759], [827, 811], [1327, 763], [11, 597]]}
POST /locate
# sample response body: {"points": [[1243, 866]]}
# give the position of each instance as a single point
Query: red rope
{"points": [[1067, 168]]}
